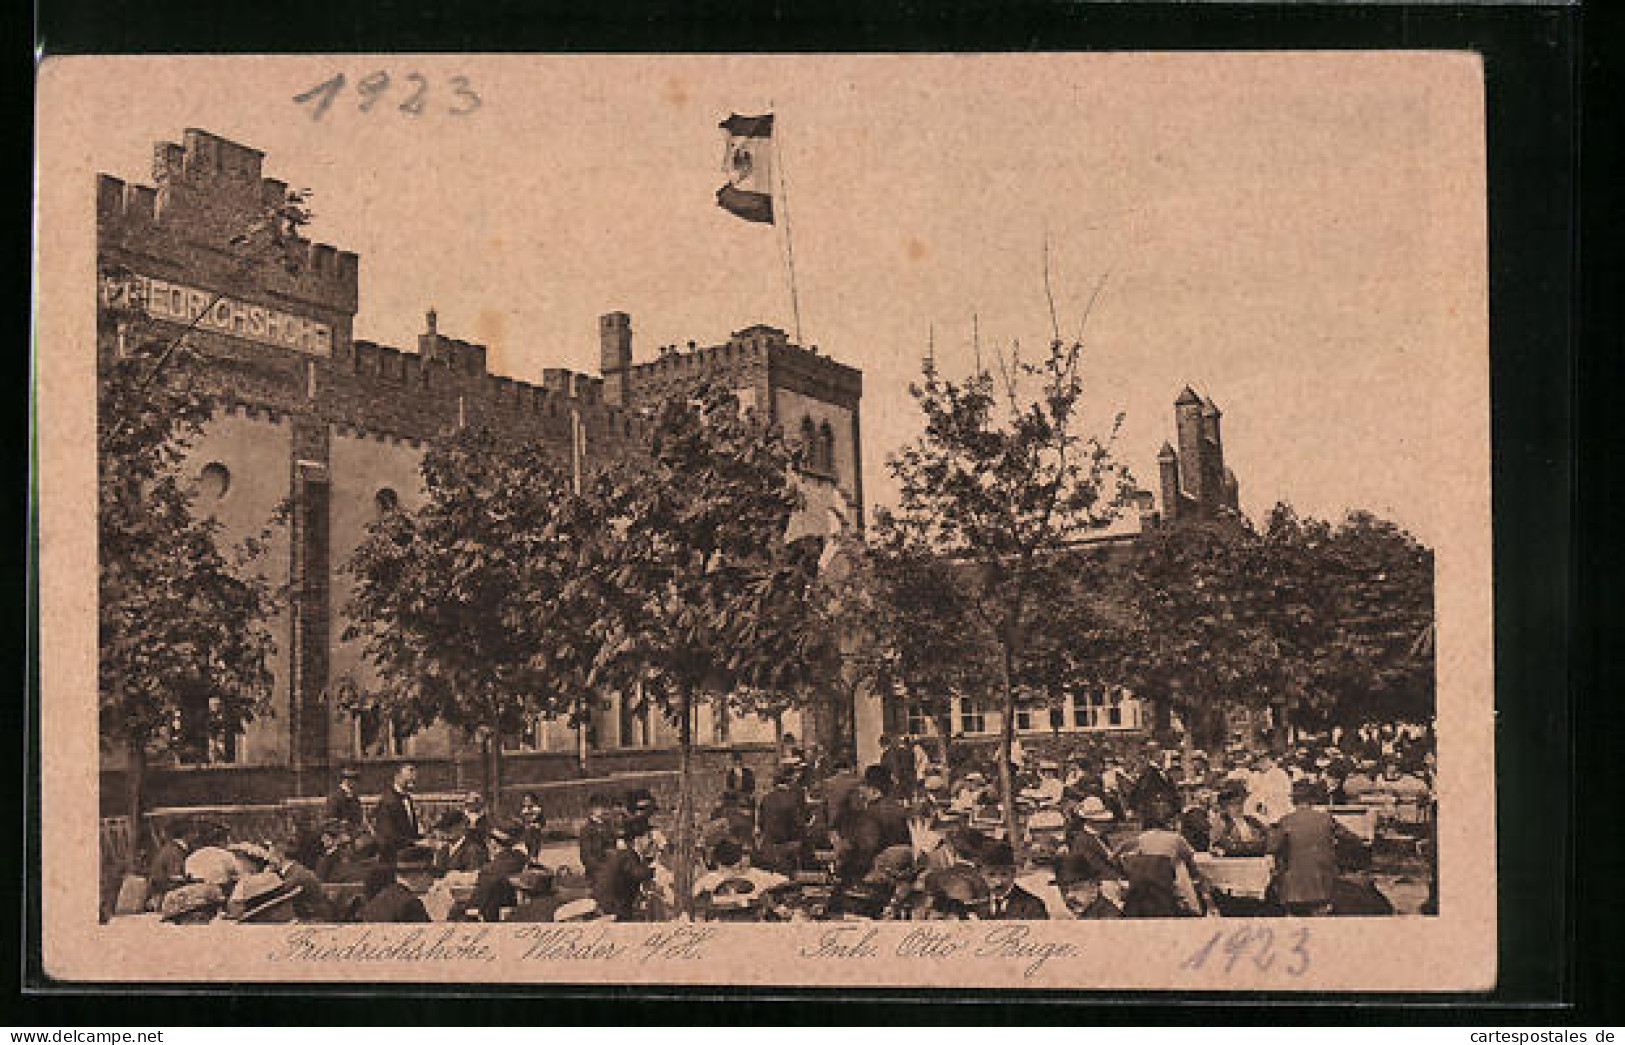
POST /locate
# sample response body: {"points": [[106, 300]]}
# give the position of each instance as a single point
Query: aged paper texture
{"points": [[351, 263]]}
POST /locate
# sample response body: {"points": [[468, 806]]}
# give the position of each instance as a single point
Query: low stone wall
{"points": [[564, 803], [269, 785]]}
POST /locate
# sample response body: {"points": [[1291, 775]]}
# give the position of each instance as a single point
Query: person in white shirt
{"points": [[1269, 791]]}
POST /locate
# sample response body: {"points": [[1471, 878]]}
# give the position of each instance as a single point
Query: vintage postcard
{"points": [[974, 520]]}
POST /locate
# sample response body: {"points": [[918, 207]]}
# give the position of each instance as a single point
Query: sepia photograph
{"points": [[677, 519]]}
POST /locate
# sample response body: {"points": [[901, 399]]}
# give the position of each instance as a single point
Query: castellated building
{"points": [[1194, 479], [335, 427]]}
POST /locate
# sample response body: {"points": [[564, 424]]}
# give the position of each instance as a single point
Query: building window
{"points": [[1057, 717], [377, 735], [532, 736], [971, 719], [1080, 711], [719, 722], [1114, 710], [386, 501], [200, 738], [809, 444], [919, 723], [1024, 720], [213, 481]]}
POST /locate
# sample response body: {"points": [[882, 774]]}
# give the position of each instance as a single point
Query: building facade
{"points": [[330, 430]]}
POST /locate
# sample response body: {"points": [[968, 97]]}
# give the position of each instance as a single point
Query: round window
{"points": [[213, 481]]}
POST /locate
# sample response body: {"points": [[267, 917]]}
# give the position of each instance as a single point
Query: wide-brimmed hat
{"points": [[251, 850], [1092, 808], [581, 910], [415, 858], [533, 879], [192, 900], [256, 893], [957, 885], [1071, 867], [892, 864]]}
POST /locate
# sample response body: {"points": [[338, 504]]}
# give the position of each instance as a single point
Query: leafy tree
{"points": [[913, 607], [475, 607], [706, 600], [1319, 622], [1004, 488], [184, 648]]}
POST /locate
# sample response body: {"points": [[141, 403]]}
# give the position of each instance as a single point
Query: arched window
{"points": [[809, 443], [213, 481], [826, 448]]}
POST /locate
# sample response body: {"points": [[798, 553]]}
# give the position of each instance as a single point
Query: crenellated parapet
{"points": [[206, 192]]}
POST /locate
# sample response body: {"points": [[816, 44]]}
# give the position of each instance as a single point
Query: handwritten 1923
{"points": [[415, 94], [1256, 943]]}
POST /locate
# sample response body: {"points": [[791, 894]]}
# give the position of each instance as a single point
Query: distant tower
{"points": [[615, 354], [1168, 466], [1212, 455], [1191, 427]]}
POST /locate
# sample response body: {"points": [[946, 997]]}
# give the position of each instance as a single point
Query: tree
{"points": [[1370, 654], [705, 597], [1208, 605], [1004, 489], [1323, 623], [184, 648], [912, 608], [476, 607]]}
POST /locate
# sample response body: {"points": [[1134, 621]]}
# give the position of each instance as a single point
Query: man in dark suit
{"points": [[538, 895], [396, 818], [344, 804], [1007, 901], [1304, 844], [781, 823], [618, 885], [878, 824], [597, 835], [398, 891], [898, 759], [739, 779]]}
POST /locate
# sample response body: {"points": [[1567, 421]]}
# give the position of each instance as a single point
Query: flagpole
{"points": [[789, 240]]}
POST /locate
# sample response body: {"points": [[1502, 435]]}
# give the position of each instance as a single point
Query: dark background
{"points": [[1554, 662]]}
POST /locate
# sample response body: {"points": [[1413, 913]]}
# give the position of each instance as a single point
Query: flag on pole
{"points": [[747, 159]]}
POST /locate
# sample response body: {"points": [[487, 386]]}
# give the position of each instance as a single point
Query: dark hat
{"points": [[1232, 791], [960, 886], [634, 827], [349, 773], [415, 858], [727, 852], [533, 879], [336, 828], [1071, 867], [998, 854], [641, 800], [878, 777]]}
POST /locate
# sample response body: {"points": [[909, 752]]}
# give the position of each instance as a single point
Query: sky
{"points": [[1298, 237]]}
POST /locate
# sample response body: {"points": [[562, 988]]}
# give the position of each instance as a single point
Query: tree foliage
{"points": [[707, 599], [1003, 485], [476, 607], [184, 646], [1325, 623]]}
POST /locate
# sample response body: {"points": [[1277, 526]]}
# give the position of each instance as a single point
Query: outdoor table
{"points": [[1246, 877], [1360, 819]]}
